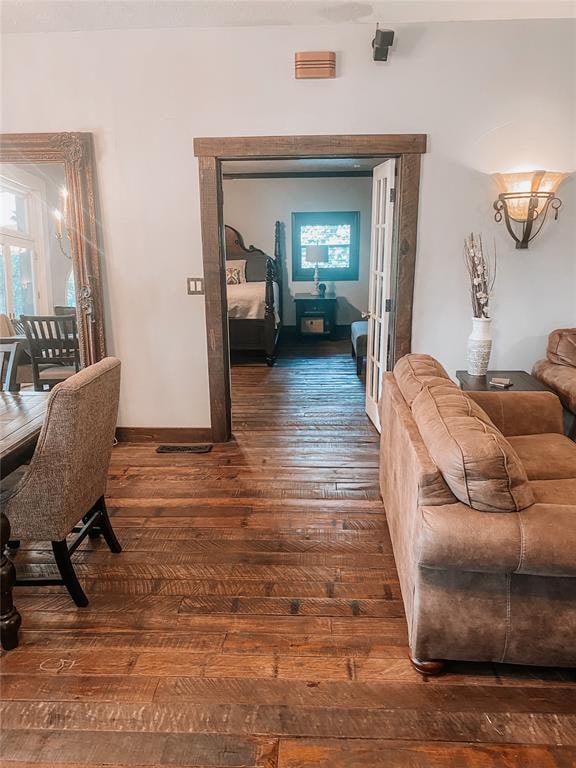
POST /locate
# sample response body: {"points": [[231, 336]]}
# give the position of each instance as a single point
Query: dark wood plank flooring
{"points": [[254, 618]]}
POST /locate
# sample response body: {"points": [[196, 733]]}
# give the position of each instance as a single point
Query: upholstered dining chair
{"points": [[53, 348], [62, 489]]}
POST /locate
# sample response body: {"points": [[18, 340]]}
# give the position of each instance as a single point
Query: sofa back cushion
{"points": [[478, 463], [414, 372], [562, 347]]}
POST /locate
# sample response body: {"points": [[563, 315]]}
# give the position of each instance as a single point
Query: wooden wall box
{"points": [[310, 65]]}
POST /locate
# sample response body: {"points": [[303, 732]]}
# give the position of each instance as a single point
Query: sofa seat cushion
{"points": [[560, 378], [546, 457], [562, 347], [479, 465], [554, 491], [539, 540], [359, 333], [414, 372]]}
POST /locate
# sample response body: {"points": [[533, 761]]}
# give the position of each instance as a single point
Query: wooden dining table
{"points": [[21, 418]]}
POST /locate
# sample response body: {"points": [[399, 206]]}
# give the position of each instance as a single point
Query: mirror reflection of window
{"points": [[35, 266], [17, 246], [70, 290]]}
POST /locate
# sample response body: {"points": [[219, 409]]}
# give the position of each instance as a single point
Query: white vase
{"points": [[479, 346]]}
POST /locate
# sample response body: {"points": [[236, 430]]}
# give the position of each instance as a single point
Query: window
{"points": [[17, 295], [329, 240]]}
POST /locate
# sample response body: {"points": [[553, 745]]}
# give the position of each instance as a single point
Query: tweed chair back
{"points": [[68, 471]]}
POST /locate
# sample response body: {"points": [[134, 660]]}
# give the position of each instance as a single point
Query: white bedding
{"points": [[247, 301]]}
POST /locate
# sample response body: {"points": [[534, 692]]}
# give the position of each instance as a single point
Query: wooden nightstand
{"points": [[315, 315]]}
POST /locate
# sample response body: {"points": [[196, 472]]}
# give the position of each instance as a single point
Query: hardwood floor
{"points": [[254, 617]]}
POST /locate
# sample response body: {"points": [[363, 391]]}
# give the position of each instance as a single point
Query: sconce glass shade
{"points": [[520, 188], [525, 199]]}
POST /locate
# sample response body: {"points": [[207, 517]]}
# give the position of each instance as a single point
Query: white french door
{"points": [[379, 303]]}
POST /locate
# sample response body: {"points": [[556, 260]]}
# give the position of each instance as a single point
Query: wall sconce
{"points": [[61, 221], [525, 199]]}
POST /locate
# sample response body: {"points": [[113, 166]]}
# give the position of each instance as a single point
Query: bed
{"points": [[255, 303]]}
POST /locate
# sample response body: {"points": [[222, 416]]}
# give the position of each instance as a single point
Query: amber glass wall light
{"points": [[524, 201]]}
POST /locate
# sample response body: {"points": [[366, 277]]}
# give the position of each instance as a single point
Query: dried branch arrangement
{"points": [[482, 272]]}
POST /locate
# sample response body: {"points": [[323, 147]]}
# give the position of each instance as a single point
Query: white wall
{"points": [[253, 205], [490, 95]]}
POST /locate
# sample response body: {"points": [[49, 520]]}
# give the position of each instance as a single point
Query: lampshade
{"points": [[531, 185], [317, 254]]}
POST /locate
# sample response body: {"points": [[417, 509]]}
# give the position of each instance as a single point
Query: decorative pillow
{"points": [[478, 463], [235, 271], [414, 372], [562, 347]]}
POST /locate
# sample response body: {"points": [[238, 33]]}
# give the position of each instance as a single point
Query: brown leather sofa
{"points": [[558, 371], [480, 497]]}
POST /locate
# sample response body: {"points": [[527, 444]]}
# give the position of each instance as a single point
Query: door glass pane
{"points": [[3, 298], [22, 281], [380, 250], [13, 212]]}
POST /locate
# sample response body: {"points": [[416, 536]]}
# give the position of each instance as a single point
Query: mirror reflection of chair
{"points": [[53, 347], [61, 310], [62, 490], [8, 367]]}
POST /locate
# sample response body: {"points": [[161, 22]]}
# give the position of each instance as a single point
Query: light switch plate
{"points": [[195, 286]]}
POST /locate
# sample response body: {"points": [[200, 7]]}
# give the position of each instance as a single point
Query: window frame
{"points": [[34, 191], [302, 218]]}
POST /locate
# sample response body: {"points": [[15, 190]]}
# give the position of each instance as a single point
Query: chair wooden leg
{"points": [[64, 563], [428, 667], [359, 364], [9, 617], [94, 532], [106, 527]]}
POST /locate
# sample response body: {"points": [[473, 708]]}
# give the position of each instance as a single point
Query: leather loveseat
{"points": [[558, 371], [480, 497]]}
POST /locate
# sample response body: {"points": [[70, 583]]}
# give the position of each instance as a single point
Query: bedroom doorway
{"points": [[216, 159]]}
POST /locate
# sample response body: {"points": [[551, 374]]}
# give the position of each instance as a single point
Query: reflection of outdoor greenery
{"points": [[335, 236], [22, 284], [3, 303], [70, 291]]}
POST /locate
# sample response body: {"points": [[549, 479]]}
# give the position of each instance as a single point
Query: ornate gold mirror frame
{"points": [[76, 152]]}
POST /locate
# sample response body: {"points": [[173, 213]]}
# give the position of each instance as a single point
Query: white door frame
{"points": [[380, 301]]}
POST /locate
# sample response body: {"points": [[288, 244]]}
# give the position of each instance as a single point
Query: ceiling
{"points": [[300, 165], [20, 16]]}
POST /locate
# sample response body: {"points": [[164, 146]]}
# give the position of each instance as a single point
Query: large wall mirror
{"points": [[49, 238]]}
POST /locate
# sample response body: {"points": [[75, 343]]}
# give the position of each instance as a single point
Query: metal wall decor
{"points": [[524, 201], [314, 65]]}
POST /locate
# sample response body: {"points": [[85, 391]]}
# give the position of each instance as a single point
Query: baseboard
{"points": [[163, 434]]}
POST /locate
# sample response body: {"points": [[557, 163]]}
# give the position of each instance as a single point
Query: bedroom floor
{"points": [[254, 618]]}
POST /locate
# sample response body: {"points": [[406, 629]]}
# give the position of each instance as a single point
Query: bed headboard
{"points": [[256, 259]]}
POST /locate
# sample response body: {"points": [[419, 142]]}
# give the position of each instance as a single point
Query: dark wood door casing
{"points": [[407, 148]]}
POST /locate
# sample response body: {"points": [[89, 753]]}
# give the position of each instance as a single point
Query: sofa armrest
{"points": [[538, 540], [522, 413]]}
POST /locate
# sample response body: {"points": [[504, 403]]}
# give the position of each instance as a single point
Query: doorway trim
{"points": [[407, 148]]}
